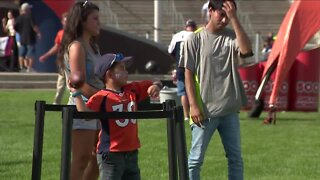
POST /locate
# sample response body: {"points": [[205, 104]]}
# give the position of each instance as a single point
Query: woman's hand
{"points": [[72, 89]]}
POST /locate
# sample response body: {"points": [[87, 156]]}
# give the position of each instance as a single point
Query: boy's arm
{"points": [[81, 106], [155, 88], [146, 88]]}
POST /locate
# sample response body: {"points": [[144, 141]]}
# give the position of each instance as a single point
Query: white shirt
{"points": [[178, 37], [10, 27]]}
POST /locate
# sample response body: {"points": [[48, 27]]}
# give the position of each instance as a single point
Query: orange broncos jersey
{"points": [[119, 135]]}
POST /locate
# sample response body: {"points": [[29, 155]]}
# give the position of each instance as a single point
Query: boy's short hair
{"points": [[218, 4], [191, 23], [105, 62]]}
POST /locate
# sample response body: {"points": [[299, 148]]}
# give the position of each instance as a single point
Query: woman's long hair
{"points": [[73, 29]]}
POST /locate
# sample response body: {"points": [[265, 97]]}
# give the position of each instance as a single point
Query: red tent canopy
{"points": [[301, 22]]}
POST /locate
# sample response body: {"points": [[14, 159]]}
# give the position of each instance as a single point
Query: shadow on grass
{"points": [[15, 162], [285, 119], [15, 124]]}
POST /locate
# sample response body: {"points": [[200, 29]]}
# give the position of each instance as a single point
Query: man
{"points": [[175, 49], [213, 85], [29, 32], [61, 81]]}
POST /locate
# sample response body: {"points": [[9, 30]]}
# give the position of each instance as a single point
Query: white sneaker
{"points": [[30, 70]]}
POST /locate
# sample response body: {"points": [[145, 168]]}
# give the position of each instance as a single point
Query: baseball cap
{"points": [[104, 63], [191, 23], [25, 6]]}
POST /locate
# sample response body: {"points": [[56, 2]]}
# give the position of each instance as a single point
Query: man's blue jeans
{"points": [[228, 127]]}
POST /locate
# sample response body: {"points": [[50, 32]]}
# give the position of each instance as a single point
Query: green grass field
{"points": [[288, 151]]}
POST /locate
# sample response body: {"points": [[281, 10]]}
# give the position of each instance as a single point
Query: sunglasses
{"points": [[85, 3], [118, 57], [89, 5]]}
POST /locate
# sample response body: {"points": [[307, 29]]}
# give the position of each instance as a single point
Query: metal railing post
{"points": [[172, 153], [181, 144], [38, 140], [67, 118]]}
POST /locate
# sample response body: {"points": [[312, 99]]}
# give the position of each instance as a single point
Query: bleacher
{"points": [[263, 16], [137, 16]]}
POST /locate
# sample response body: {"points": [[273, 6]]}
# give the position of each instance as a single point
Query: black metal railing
{"points": [[177, 158]]}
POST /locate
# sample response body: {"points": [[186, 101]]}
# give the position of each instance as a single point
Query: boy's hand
{"points": [[153, 90]]}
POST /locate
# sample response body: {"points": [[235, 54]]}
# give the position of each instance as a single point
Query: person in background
{"points": [[80, 52], [61, 81], [117, 150], [214, 88], [8, 24], [267, 45], [205, 13], [175, 50], [8, 29], [29, 32]]}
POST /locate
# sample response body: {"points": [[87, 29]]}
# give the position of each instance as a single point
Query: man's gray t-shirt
{"points": [[214, 60]]}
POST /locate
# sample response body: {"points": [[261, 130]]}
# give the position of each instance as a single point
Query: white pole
{"points": [[257, 48], [157, 20]]}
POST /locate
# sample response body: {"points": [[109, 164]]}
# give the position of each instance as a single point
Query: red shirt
{"points": [[119, 135], [58, 38]]}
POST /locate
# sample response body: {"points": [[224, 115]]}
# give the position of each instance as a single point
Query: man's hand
{"points": [[196, 115], [42, 58], [39, 35], [229, 9]]}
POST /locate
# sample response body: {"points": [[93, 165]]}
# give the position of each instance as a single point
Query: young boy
{"points": [[117, 149]]}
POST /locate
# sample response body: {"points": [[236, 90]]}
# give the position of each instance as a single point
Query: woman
{"points": [[8, 25], [79, 51]]}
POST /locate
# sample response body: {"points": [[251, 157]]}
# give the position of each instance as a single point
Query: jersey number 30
{"points": [[130, 108]]}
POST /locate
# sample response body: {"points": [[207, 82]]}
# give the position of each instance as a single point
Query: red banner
{"points": [[59, 6], [304, 81], [251, 79]]}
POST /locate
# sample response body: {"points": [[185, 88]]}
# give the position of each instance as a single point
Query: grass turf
{"points": [[287, 151]]}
